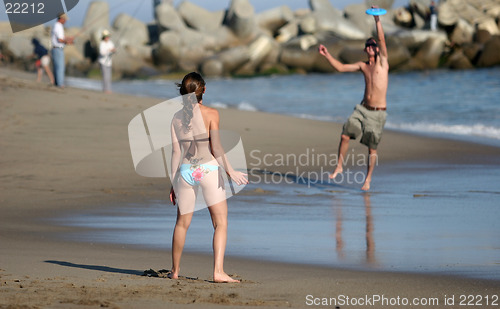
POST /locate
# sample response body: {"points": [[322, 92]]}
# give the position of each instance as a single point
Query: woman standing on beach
{"points": [[197, 161]]}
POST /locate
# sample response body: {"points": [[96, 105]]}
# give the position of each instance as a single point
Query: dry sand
{"points": [[63, 151]]}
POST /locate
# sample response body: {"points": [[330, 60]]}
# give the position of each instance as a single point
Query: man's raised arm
{"points": [[380, 37]]}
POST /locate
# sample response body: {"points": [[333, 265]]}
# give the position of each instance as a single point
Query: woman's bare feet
{"points": [[173, 275], [224, 278]]}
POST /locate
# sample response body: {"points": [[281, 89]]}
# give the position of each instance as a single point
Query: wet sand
{"points": [[64, 151]]}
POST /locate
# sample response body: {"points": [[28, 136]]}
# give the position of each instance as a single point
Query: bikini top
{"points": [[192, 146]]}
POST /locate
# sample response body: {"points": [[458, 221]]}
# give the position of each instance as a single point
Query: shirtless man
{"points": [[368, 118]]}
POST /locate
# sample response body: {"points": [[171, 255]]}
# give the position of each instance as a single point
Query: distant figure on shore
{"points": [[59, 41], [106, 51], [197, 161], [368, 118], [434, 19], [42, 61]]}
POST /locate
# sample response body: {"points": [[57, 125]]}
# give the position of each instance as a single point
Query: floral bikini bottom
{"points": [[194, 173]]}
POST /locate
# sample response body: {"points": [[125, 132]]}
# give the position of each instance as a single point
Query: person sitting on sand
{"points": [[368, 118], [197, 158]]}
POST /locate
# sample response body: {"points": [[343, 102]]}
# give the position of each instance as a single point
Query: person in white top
{"points": [[106, 51], [59, 41]]}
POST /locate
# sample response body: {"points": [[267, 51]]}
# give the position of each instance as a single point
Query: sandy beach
{"points": [[66, 150]]}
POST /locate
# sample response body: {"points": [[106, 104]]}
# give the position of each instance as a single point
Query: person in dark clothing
{"points": [[43, 61]]}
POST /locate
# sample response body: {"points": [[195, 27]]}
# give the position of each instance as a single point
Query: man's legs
{"points": [[372, 161], [343, 147], [58, 59]]}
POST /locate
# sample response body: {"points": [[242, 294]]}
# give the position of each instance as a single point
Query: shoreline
{"points": [[67, 151]]}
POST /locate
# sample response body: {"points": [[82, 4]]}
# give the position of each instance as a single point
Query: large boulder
{"points": [[241, 19], [274, 19], [97, 17], [398, 54], [447, 15], [458, 61], [130, 30], [168, 18], [482, 36], [295, 57], [5, 31], [355, 13], [287, 32], [452, 10], [330, 19], [419, 21], [168, 50], [142, 52], [490, 55], [257, 50], [489, 25], [226, 61], [224, 38], [353, 54], [307, 24], [416, 38], [19, 46], [127, 65], [430, 53], [386, 4], [304, 41], [72, 56], [199, 18], [462, 33], [421, 7], [472, 51], [184, 49], [403, 17]]}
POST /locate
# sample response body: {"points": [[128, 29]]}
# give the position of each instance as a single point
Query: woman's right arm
{"points": [[176, 154]]}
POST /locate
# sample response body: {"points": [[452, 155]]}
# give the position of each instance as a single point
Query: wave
{"points": [[316, 117], [218, 105], [243, 106], [479, 130]]}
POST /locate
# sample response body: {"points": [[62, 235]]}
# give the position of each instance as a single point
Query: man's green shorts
{"points": [[367, 123]]}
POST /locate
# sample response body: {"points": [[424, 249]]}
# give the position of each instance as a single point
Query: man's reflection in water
{"points": [[370, 240]]}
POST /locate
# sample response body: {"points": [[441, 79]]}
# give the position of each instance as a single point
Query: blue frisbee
{"points": [[376, 11]]}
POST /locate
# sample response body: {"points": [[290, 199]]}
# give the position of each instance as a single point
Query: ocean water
{"points": [[454, 104], [425, 218]]}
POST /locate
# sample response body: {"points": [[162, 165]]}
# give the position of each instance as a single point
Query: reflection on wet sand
{"points": [[370, 240]]}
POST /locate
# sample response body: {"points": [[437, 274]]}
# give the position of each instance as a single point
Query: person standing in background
{"points": [[434, 18], [42, 61], [106, 50], [59, 41]]}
